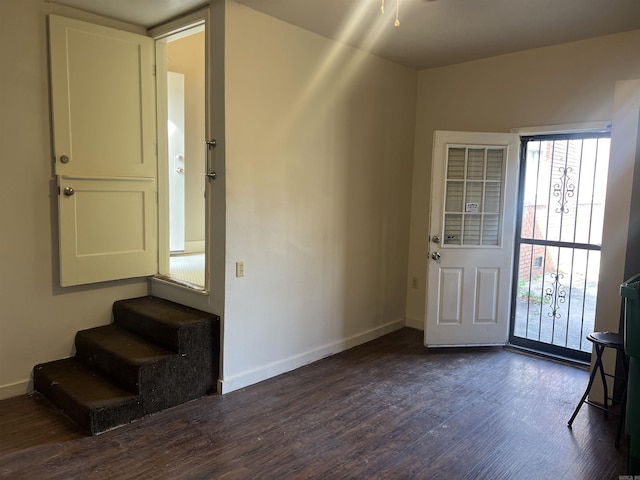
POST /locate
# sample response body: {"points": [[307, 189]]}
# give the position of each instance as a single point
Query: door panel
{"points": [[106, 229], [450, 296], [103, 110], [471, 238], [487, 282]]}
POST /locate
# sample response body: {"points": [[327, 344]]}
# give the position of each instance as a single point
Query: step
{"points": [[125, 358], [156, 354], [161, 321], [93, 402]]}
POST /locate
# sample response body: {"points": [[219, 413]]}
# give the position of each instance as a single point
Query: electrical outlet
{"points": [[414, 282], [239, 269]]}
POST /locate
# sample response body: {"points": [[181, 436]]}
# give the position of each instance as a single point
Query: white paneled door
{"points": [[103, 109], [472, 222]]}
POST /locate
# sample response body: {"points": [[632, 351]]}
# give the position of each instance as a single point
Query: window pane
{"points": [[490, 226], [455, 163], [452, 229], [474, 196], [475, 165], [453, 202], [471, 230], [492, 197], [495, 162]]}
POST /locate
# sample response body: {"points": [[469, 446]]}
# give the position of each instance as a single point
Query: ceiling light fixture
{"points": [[397, 22]]}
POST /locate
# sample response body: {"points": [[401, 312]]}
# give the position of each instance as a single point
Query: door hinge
{"points": [[153, 70]]}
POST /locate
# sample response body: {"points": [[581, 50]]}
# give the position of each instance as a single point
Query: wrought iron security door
{"points": [[559, 232]]}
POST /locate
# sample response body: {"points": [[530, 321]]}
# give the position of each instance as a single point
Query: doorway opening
{"points": [[181, 57], [559, 227]]}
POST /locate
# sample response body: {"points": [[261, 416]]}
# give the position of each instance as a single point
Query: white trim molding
{"points": [[600, 126], [15, 389], [251, 377], [414, 323]]}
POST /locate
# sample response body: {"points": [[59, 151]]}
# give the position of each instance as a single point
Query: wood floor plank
{"points": [[388, 409]]}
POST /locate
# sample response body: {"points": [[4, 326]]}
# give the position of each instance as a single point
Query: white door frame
{"points": [[625, 138], [625, 135], [162, 288], [624, 143]]}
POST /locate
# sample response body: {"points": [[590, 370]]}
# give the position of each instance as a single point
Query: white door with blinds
{"points": [[471, 237]]}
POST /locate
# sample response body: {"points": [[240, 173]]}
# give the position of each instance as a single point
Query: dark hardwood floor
{"points": [[389, 409]]}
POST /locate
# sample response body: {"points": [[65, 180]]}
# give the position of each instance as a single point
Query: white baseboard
{"points": [[413, 323], [286, 365], [15, 389]]}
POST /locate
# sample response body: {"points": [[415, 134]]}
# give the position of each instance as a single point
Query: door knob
{"points": [[68, 191], [435, 255]]}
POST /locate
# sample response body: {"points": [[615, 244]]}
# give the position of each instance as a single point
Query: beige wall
{"points": [[38, 320], [569, 83], [186, 56], [319, 146]]}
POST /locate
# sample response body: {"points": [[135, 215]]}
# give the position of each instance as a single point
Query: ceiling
{"points": [[431, 32]]}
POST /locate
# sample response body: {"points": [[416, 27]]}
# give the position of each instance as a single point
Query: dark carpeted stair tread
{"points": [[123, 344], [158, 320], [92, 401], [83, 385], [164, 311]]}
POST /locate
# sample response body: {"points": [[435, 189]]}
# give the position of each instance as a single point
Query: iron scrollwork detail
{"points": [[555, 294], [563, 189]]}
